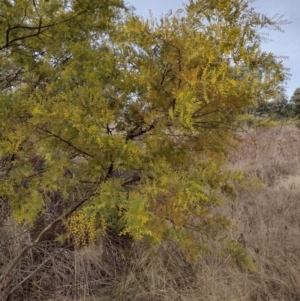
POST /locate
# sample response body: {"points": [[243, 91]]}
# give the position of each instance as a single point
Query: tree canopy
{"points": [[295, 99], [112, 122]]}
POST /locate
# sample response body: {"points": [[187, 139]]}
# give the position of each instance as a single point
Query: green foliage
{"points": [[295, 99], [278, 108], [239, 256], [130, 118], [296, 96]]}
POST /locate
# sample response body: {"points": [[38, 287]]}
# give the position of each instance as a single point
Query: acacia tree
{"points": [[111, 122]]}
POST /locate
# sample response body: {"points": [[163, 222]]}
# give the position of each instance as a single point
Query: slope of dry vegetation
{"points": [[267, 223]]}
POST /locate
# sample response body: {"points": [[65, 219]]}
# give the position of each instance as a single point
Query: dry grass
{"points": [[268, 219]]}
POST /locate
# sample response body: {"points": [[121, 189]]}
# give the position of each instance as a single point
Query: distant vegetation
{"points": [[280, 108]]}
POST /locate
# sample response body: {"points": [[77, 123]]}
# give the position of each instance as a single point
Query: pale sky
{"points": [[286, 44]]}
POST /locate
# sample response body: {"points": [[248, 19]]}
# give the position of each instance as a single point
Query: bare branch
{"points": [[4, 278]]}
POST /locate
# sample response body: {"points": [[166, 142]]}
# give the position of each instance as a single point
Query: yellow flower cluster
{"points": [[82, 227]]}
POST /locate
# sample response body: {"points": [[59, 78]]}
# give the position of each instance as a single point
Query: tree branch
{"points": [[4, 278], [65, 141]]}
